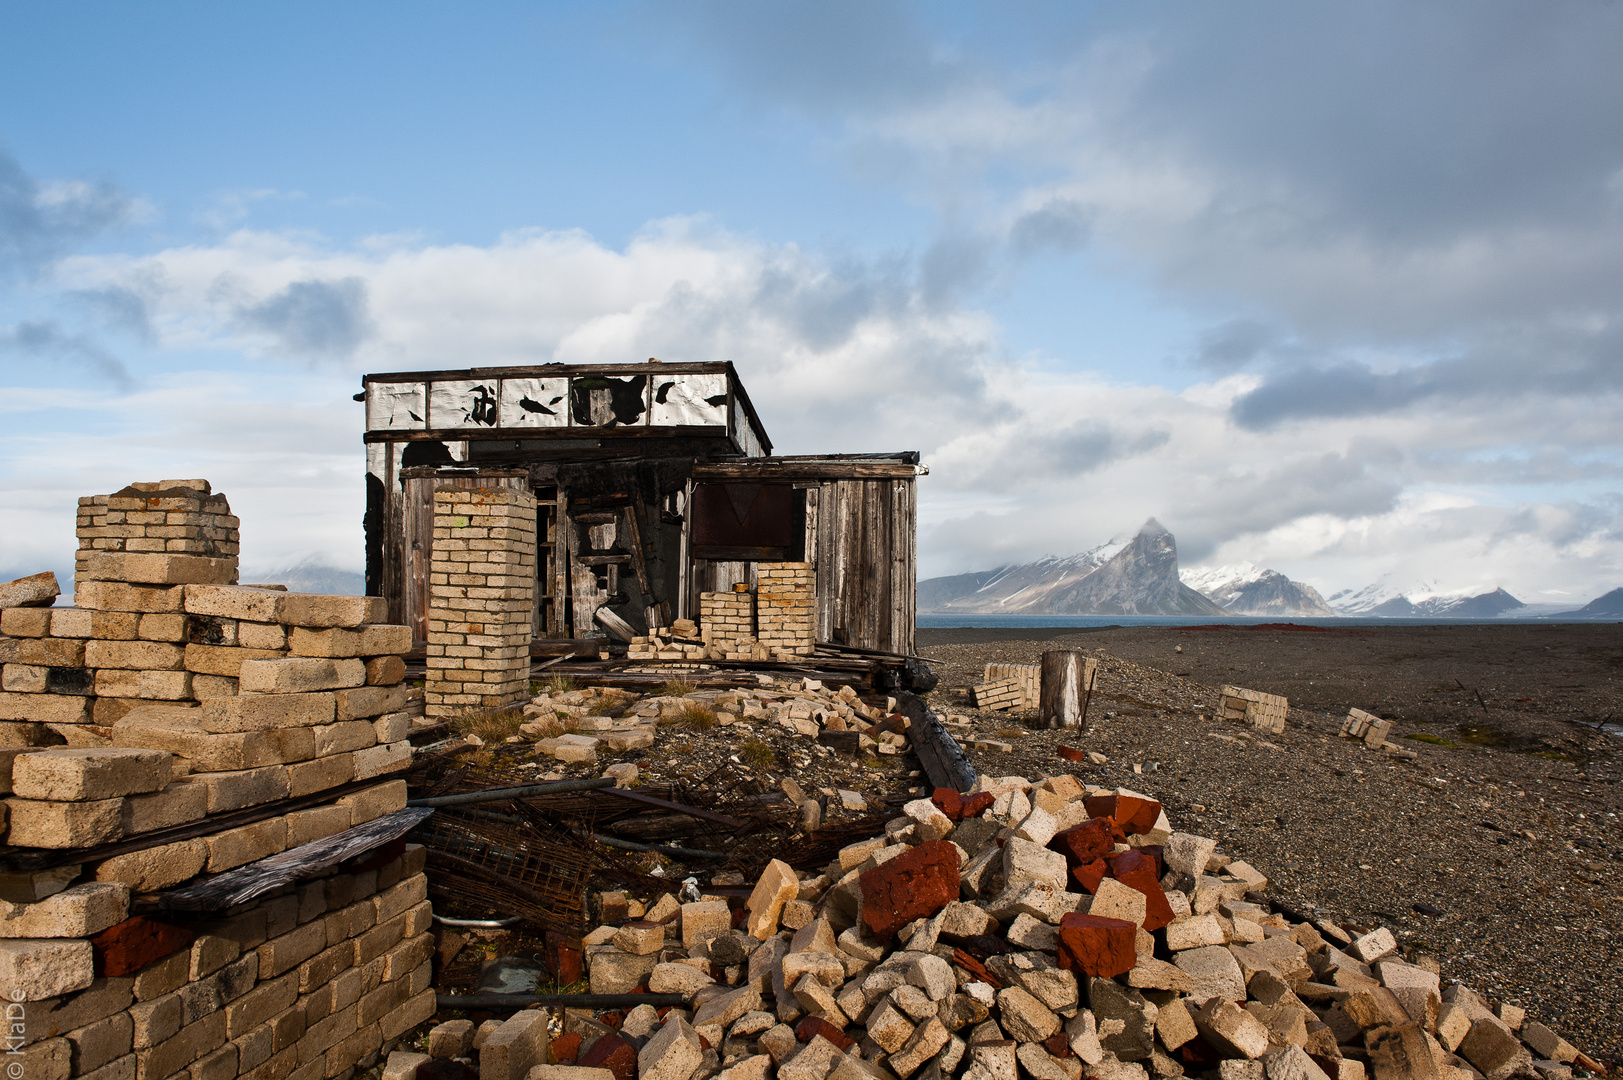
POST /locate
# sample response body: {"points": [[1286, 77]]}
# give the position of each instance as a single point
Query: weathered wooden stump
{"points": [[1067, 682]]}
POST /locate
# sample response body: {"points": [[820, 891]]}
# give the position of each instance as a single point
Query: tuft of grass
{"points": [[555, 684], [676, 688], [491, 725], [1434, 740], [757, 754], [696, 716]]}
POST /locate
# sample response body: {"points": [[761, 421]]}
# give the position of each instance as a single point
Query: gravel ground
{"points": [[1499, 854]]}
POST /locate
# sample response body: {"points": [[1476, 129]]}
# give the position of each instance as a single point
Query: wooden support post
{"points": [[1065, 682]]}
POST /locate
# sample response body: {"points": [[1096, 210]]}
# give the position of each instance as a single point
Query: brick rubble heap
{"points": [[1048, 930]]}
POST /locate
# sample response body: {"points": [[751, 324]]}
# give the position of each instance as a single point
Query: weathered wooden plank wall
{"points": [[861, 536]]}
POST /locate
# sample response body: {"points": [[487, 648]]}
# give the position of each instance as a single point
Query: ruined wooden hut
{"points": [[653, 482]]}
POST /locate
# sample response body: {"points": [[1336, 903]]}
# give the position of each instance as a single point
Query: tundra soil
{"points": [[1498, 850]]}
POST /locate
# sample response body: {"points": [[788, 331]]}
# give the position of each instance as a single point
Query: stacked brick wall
{"points": [[727, 624], [200, 727], [176, 517], [786, 607], [309, 983], [480, 594]]}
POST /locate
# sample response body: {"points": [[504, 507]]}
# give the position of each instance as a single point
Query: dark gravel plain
{"points": [[1498, 851]]}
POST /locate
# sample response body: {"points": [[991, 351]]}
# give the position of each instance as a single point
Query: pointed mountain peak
{"points": [[1153, 528]]}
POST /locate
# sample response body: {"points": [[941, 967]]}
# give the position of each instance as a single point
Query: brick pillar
{"points": [[481, 587], [786, 607]]}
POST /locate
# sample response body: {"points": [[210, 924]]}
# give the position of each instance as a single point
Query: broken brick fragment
{"points": [[914, 885], [813, 1026], [976, 968], [1090, 875], [1071, 753], [1135, 870], [1097, 946], [1058, 1045], [134, 943], [957, 807], [565, 1048], [1133, 813], [563, 961], [614, 1053], [1082, 844]]}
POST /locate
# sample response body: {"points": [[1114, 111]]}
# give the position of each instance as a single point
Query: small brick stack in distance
{"points": [[481, 595], [679, 642], [786, 607], [1265, 712], [1027, 677], [727, 623]]}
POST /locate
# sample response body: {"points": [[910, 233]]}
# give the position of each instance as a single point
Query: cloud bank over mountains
{"points": [[1397, 235]]}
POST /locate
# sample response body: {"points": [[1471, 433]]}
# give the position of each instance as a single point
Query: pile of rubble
{"points": [[1047, 929], [572, 724]]}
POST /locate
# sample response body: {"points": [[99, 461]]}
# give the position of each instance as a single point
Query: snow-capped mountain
{"points": [[1246, 589], [1133, 576], [1422, 601]]}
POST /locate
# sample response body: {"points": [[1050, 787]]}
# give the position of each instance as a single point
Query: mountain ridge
{"points": [[1138, 576]]}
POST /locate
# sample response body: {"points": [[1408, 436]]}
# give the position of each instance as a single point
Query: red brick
{"points": [[1058, 1045], [563, 960], [1071, 753], [1082, 844], [914, 885], [1137, 871], [614, 1053], [976, 968], [565, 1048], [1096, 945], [813, 1026], [957, 807], [1090, 875], [1133, 814], [136, 942]]}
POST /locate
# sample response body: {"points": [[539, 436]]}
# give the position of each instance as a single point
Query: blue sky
{"points": [[1330, 289]]}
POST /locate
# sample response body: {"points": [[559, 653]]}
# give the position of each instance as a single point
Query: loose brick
{"points": [[246, 843], [76, 912], [298, 675], [156, 868], [246, 787], [64, 824], [264, 712], [176, 804]]}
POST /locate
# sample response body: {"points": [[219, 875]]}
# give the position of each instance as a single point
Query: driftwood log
{"points": [[1067, 682]]}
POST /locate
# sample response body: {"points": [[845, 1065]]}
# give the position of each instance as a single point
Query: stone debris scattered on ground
{"points": [[571, 725], [1049, 930]]}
